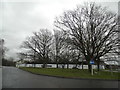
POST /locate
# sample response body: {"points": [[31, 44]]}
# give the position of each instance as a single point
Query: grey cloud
{"points": [[19, 19]]}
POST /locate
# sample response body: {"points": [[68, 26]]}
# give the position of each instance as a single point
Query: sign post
{"points": [[91, 62]]}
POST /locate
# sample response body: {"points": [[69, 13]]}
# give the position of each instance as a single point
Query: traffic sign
{"points": [[91, 61]]}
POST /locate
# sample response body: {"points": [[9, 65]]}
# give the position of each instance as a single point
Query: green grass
{"points": [[73, 73]]}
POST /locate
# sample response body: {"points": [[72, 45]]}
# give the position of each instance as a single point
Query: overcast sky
{"points": [[19, 18]]}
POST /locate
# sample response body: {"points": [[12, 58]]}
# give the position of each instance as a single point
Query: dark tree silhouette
{"points": [[92, 30], [1, 50], [39, 45], [59, 45]]}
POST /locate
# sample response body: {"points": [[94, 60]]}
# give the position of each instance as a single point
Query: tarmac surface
{"points": [[0, 77], [16, 78]]}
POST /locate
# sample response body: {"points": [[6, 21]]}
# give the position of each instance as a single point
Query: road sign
{"points": [[91, 62]]}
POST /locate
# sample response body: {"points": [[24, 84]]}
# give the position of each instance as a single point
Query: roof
{"points": [[112, 62]]}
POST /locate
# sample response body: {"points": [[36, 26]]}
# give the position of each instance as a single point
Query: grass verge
{"points": [[73, 73]]}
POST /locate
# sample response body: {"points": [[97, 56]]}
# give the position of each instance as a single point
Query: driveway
{"points": [[16, 78]]}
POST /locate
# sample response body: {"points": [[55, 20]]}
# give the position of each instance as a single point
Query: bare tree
{"points": [[1, 50], [59, 45], [21, 56], [39, 45], [63, 51], [92, 30], [73, 52]]}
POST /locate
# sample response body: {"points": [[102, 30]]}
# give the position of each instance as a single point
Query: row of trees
{"points": [[1, 50], [8, 62], [87, 33], [3, 60]]}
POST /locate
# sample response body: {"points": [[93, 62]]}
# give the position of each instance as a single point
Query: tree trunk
{"points": [[82, 64], [57, 65], [44, 65], [82, 67], [76, 65], [98, 69], [63, 66], [98, 65], [67, 65], [89, 68], [88, 63]]}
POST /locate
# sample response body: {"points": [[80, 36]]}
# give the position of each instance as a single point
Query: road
{"points": [[16, 78], [0, 77]]}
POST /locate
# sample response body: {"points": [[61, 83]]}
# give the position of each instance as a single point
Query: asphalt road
{"points": [[0, 78], [16, 78]]}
